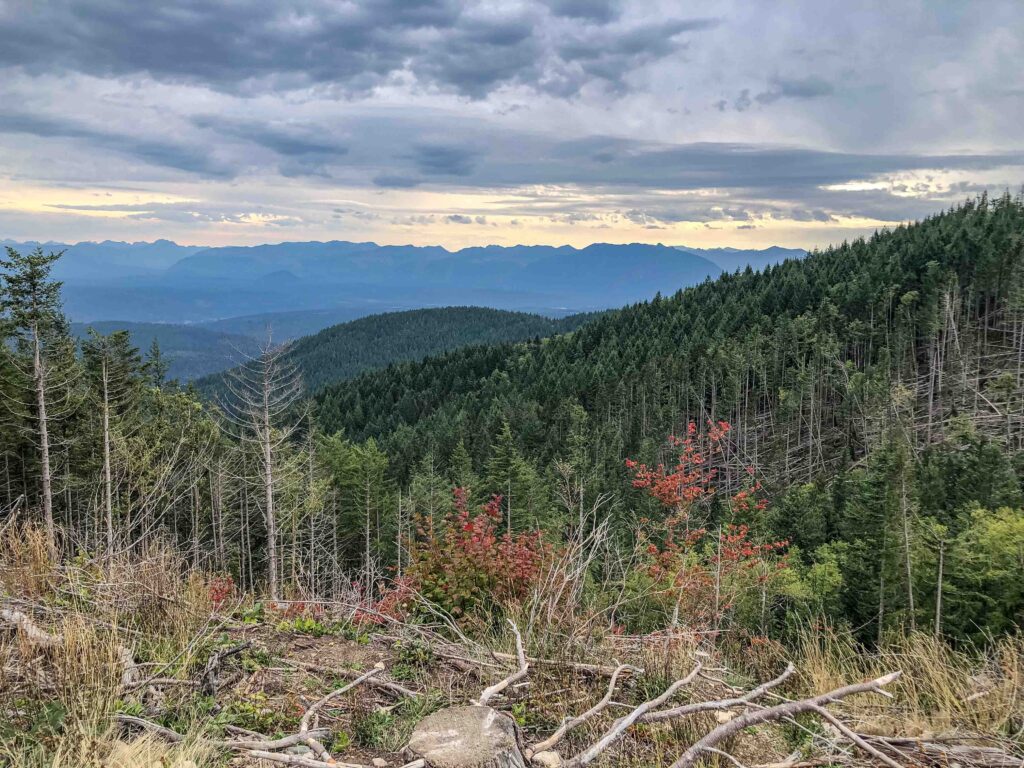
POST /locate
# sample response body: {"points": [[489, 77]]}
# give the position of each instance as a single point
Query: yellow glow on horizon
{"points": [[536, 215]]}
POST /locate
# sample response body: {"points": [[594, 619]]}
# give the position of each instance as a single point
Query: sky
{"points": [[742, 124]]}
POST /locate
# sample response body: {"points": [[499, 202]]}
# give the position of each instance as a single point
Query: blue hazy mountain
{"points": [[169, 283]]}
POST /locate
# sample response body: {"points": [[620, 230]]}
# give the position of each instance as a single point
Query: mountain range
{"points": [[165, 282]]}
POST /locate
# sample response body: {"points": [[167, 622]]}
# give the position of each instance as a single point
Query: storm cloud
{"points": [[447, 121]]}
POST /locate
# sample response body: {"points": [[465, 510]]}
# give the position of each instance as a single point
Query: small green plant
{"points": [[255, 659], [253, 714], [376, 730], [342, 741], [411, 657], [254, 614], [519, 712]]}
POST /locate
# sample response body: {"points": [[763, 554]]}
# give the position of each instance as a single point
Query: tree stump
{"points": [[467, 737]]}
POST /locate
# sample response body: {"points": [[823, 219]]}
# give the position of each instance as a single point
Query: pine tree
{"points": [[31, 300]]}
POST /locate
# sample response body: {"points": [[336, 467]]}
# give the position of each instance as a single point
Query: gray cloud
{"points": [[601, 11], [443, 159], [178, 156], [803, 88], [252, 46], [593, 113]]}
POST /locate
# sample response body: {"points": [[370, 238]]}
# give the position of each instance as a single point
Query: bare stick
{"points": [[385, 685], [855, 738], [710, 706], [211, 673], [779, 711], [256, 743], [574, 722], [515, 677], [306, 718], [620, 726], [300, 760], [28, 627]]}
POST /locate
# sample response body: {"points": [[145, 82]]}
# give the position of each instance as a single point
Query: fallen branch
{"points": [[211, 673], [711, 706], [620, 726], [778, 712], [574, 722], [28, 628], [855, 737], [515, 677], [299, 760], [317, 706], [384, 685], [261, 742], [940, 753]]}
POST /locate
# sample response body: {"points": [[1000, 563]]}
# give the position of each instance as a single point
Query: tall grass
{"points": [[942, 689], [57, 700]]}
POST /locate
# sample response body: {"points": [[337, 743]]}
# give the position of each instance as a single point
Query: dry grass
{"points": [[942, 689], [59, 700], [56, 701]]}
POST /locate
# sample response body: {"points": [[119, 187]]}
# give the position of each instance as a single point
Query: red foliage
{"points": [[702, 573], [469, 565], [220, 589]]}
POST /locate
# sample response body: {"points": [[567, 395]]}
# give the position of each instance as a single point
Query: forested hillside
{"points": [[342, 351], [189, 351], [872, 393], [819, 463], [347, 349], [875, 386]]}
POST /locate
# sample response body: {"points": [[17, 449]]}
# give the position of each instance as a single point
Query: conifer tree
{"points": [[31, 300]]}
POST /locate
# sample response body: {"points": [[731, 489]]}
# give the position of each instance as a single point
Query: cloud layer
{"points": [[460, 122]]}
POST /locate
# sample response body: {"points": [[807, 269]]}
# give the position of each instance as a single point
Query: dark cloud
{"points": [[253, 46], [283, 139], [178, 156], [392, 181], [601, 11], [458, 218], [443, 159], [806, 88]]}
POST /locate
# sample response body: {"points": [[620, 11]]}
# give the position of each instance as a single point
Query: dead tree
{"points": [[263, 393]]}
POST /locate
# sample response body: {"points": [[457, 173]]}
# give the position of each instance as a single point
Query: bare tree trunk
{"points": [[108, 494], [268, 488], [906, 551], [39, 377], [938, 590], [366, 490]]}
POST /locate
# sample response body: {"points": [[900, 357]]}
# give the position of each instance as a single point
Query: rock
{"points": [[379, 762], [547, 759], [467, 737]]}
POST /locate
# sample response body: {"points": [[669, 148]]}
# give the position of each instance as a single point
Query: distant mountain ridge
{"points": [[166, 282]]}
